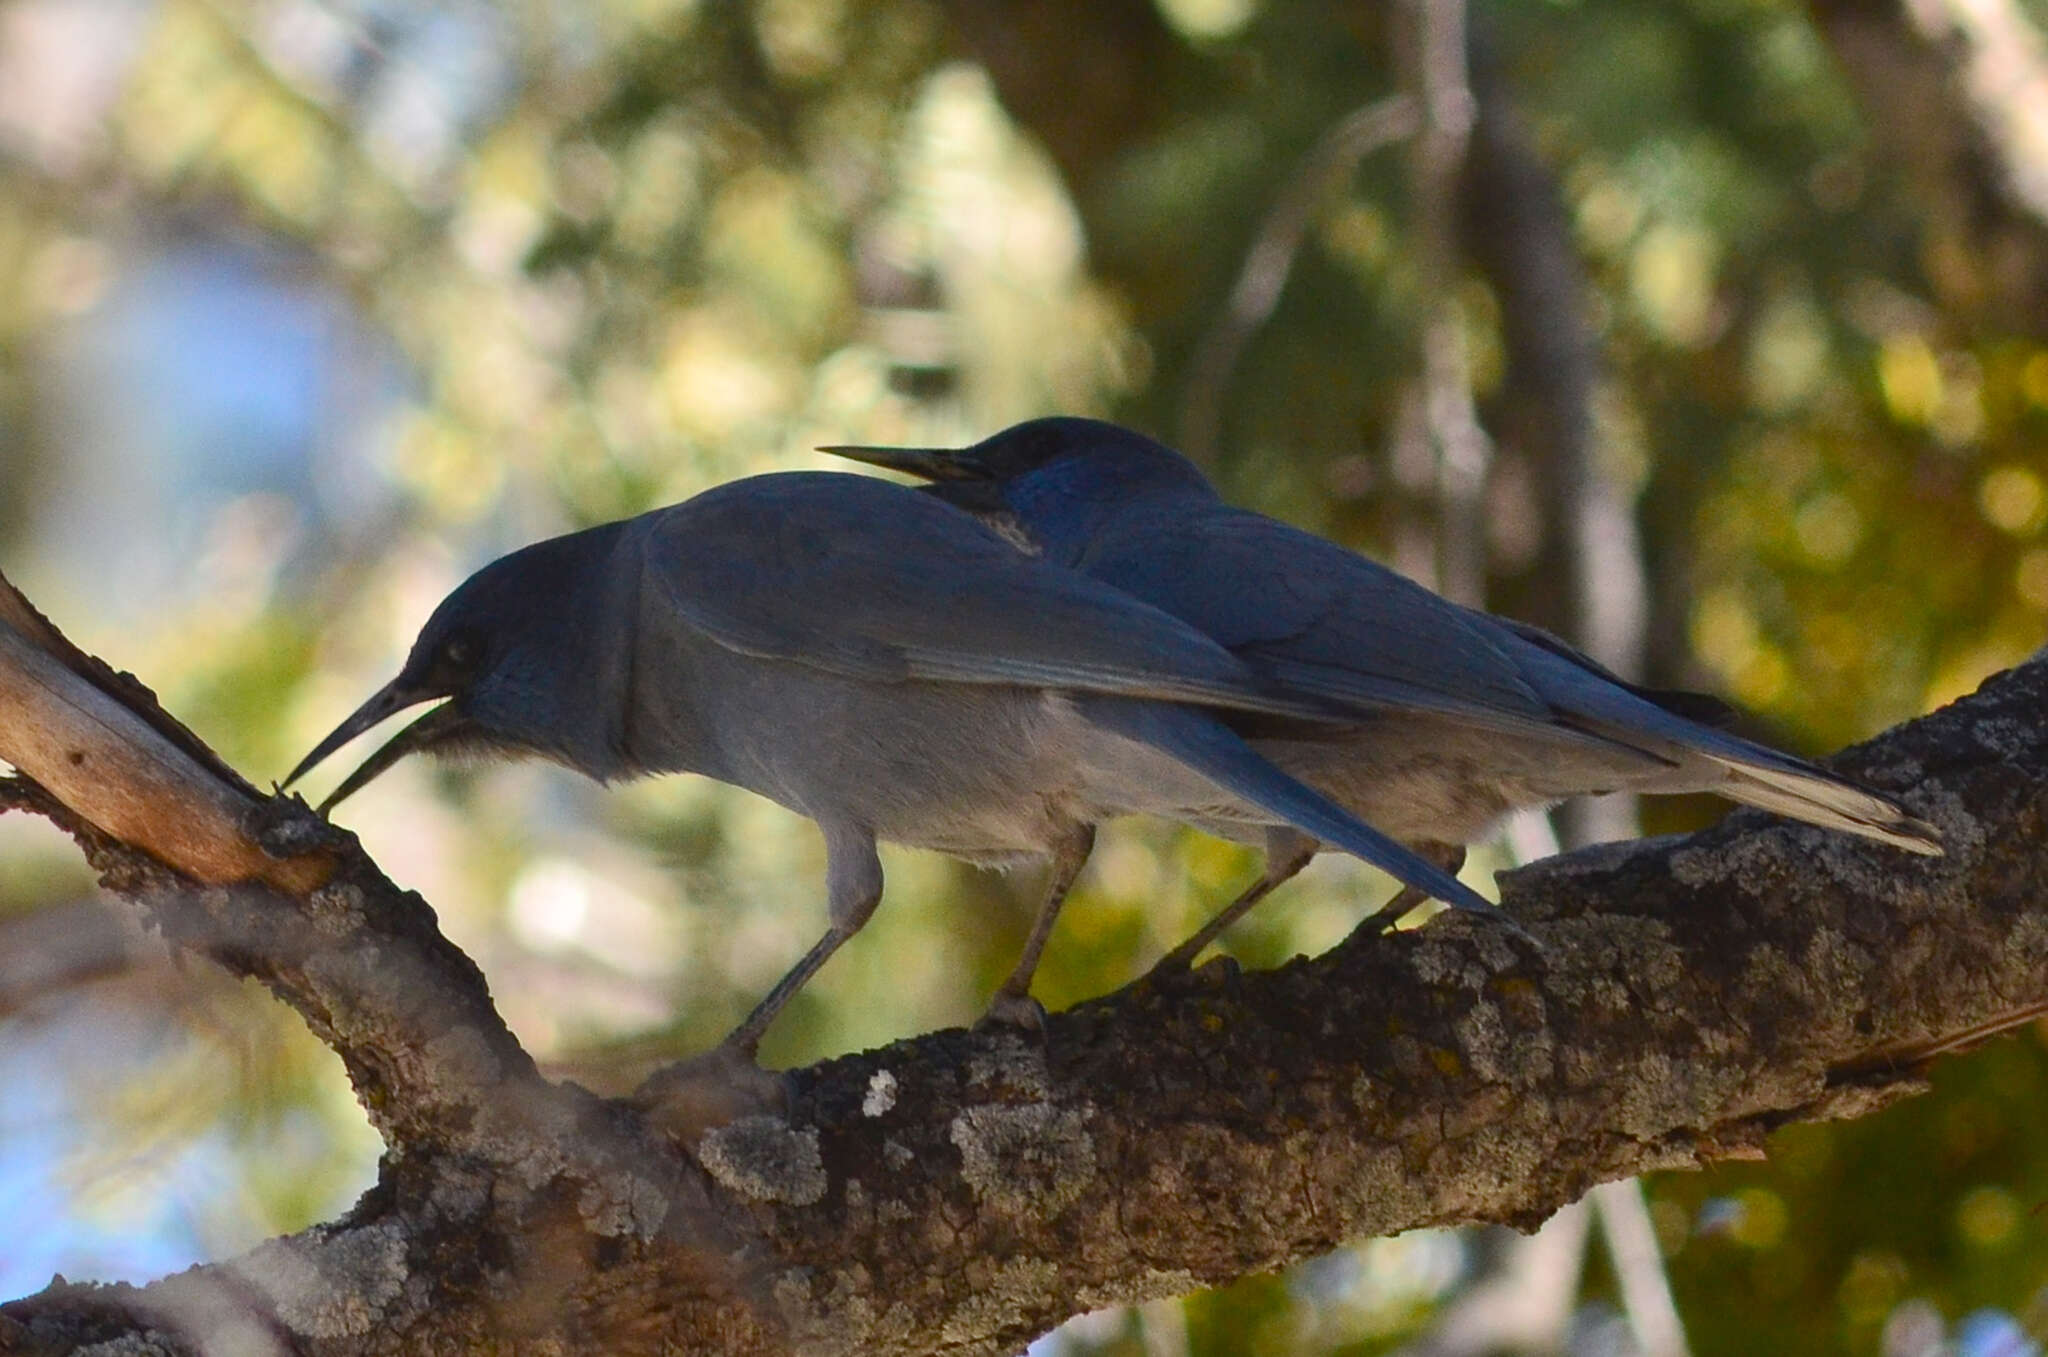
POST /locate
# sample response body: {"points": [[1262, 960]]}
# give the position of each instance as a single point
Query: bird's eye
{"points": [[460, 652]]}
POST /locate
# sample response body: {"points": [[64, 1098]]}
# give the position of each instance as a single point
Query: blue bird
{"points": [[876, 660], [1461, 716]]}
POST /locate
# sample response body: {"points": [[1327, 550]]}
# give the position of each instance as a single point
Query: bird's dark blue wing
{"points": [[873, 581], [1702, 707], [1322, 621]]}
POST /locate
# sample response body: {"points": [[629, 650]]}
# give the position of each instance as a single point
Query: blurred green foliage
{"points": [[633, 248]]}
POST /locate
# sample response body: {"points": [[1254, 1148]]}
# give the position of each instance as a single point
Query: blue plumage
{"points": [[1458, 716]]}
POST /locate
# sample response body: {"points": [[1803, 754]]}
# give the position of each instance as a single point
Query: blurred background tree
{"points": [[1719, 343]]}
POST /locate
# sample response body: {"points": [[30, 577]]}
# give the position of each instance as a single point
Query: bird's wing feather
{"points": [[1716, 759], [1702, 707], [1321, 620], [866, 579]]}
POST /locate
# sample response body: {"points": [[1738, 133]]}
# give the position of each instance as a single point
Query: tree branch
{"points": [[1263, 275], [1514, 220], [1958, 93], [964, 1191], [1442, 445]]}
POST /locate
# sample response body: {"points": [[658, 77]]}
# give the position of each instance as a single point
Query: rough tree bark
{"points": [[961, 1192]]}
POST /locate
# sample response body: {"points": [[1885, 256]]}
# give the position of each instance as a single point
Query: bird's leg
{"points": [[1449, 856], [686, 1099], [853, 886], [1287, 852], [1013, 1003]]}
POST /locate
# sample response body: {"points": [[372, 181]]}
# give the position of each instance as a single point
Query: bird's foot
{"points": [[1173, 975], [1010, 1009], [1500, 918], [1382, 921], [688, 1098]]}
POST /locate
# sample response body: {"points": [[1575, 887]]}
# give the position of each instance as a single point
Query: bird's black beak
{"points": [[931, 464], [437, 726]]}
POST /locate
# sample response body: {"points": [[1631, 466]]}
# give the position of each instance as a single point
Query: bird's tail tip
{"points": [[1833, 802], [1912, 834]]}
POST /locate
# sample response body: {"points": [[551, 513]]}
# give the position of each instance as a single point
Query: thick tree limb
{"points": [[962, 1192]]}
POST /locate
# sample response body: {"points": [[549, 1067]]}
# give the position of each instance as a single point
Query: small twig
{"points": [[1269, 261], [1639, 1267], [1459, 450], [1519, 233]]}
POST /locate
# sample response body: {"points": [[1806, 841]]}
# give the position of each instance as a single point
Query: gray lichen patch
{"points": [[1000, 1292], [336, 908], [1012, 1064], [329, 1285], [1607, 954], [1151, 1284], [1019, 1159], [1489, 1054], [623, 1204], [1835, 968], [1655, 1086], [519, 1126], [1749, 861], [2028, 941], [1487, 1164], [765, 1158], [835, 1316], [460, 1192], [1962, 832], [2003, 735], [1768, 979], [880, 1095], [1495, 948], [1447, 963]]}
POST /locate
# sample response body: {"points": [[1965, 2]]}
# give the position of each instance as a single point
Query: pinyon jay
{"points": [[872, 658], [1460, 716]]}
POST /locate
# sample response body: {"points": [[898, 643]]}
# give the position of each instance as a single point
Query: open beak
{"points": [[442, 723], [931, 464]]}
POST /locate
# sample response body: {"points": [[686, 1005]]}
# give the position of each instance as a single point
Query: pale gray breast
{"points": [[984, 772], [991, 773]]}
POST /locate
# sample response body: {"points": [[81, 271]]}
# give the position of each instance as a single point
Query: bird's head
{"points": [[1043, 469], [520, 651]]}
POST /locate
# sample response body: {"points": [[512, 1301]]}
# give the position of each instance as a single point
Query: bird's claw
{"points": [[1173, 975], [1500, 918], [1381, 922], [1019, 1011]]}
